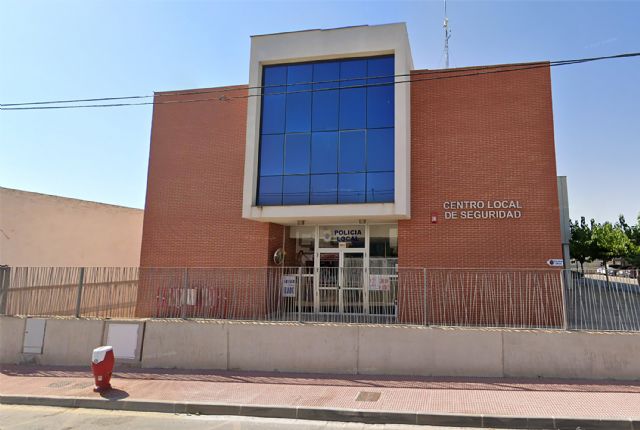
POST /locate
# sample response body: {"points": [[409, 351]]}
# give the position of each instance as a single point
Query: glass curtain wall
{"points": [[327, 133]]}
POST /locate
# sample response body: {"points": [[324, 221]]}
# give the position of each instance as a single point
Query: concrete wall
{"points": [[69, 342], [293, 347], [43, 230], [11, 338], [406, 350], [185, 344], [347, 349], [571, 354]]}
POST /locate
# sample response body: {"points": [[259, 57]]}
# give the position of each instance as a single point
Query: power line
{"points": [[449, 74], [224, 90]]}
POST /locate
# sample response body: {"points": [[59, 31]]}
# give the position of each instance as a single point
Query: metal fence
{"points": [[595, 301], [108, 292], [355, 294]]}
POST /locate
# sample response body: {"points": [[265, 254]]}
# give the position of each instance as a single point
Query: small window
{"points": [[380, 187], [324, 189], [297, 154], [380, 150], [352, 151], [324, 152], [351, 188], [295, 190], [270, 191], [271, 154]]}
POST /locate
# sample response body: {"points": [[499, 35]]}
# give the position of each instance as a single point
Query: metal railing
{"points": [[597, 301], [525, 298]]}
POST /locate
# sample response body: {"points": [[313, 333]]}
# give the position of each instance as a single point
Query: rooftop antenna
{"points": [[447, 35]]}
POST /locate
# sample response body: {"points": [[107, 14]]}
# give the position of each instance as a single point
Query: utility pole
{"points": [[447, 35]]}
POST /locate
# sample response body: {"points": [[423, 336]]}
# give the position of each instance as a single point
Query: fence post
{"points": [[424, 293], [5, 272], [565, 280], [183, 302], [80, 285], [299, 294]]}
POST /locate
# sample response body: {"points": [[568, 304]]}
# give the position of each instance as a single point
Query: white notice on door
{"points": [[379, 283]]}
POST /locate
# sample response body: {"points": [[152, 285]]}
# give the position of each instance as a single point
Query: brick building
{"points": [[356, 165]]}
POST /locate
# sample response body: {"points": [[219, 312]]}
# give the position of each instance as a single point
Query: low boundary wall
{"points": [[342, 348]]}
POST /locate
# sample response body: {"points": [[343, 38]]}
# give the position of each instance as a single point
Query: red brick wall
{"points": [[193, 211], [481, 138]]}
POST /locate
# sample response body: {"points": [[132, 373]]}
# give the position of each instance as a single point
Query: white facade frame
{"points": [[302, 46]]}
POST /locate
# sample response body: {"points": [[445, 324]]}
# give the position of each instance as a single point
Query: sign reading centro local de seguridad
{"points": [[482, 209]]}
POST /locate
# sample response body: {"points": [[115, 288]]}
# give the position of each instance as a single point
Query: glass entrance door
{"points": [[341, 282], [352, 287], [328, 283]]}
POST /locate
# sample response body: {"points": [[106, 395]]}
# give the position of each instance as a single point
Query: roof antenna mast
{"points": [[447, 36]]}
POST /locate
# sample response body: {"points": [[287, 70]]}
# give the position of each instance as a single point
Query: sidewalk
{"points": [[479, 402]]}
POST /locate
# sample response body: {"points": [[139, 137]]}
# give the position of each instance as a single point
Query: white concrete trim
{"points": [[321, 45]]}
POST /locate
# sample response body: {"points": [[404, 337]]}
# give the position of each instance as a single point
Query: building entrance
{"points": [[341, 282], [353, 268]]}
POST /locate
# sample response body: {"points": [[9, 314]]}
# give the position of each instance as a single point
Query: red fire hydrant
{"points": [[102, 361]]}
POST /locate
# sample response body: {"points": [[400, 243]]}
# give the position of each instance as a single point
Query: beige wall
{"points": [[43, 230], [69, 342], [346, 349], [11, 339]]}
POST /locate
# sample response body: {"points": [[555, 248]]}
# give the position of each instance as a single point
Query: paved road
{"points": [[50, 418]]}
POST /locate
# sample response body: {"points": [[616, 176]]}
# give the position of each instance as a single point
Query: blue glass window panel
{"points": [[380, 70], [380, 187], [380, 149], [296, 154], [295, 190], [270, 191], [298, 112], [271, 154], [350, 69], [300, 74], [351, 188], [324, 152], [326, 71], [324, 189], [380, 106], [353, 108], [352, 151], [273, 114], [274, 75], [325, 110]]}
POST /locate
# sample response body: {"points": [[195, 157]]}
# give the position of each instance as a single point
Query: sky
{"points": [[54, 50]]}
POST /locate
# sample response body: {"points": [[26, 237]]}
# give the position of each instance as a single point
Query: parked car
{"points": [[611, 271]]}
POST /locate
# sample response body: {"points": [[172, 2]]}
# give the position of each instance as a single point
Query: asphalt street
{"points": [[52, 418]]}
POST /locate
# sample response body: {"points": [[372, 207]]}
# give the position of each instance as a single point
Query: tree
{"points": [[632, 231], [633, 254], [580, 242], [608, 242]]}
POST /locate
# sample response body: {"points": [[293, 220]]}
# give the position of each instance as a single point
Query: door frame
{"points": [[341, 252]]}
